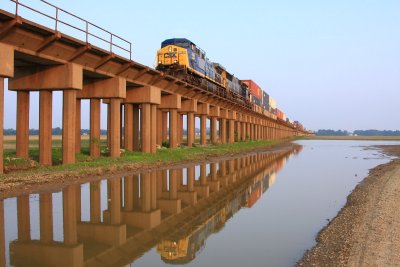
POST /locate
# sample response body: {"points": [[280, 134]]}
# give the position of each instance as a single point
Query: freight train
{"points": [[183, 59]]}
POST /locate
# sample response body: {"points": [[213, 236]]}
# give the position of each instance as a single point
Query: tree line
{"points": [[330, 132]]}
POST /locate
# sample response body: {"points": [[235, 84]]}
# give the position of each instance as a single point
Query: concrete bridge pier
{"points": [[231, 131], [180, 128], [6, 71], [128, 126], [203, 109], [172, 103], [224, 115], [189, 106], [214, 114], [22, 137], [149, 98], [160, 127], [45, 80]]}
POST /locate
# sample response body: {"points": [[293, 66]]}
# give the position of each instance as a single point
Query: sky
{"points": [[328, 64]]}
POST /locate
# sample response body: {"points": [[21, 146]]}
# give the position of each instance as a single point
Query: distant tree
{"points": [[330, 132], [377, 133]]}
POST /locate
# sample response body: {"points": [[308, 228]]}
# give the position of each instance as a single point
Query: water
{"points": [[259, 210]]}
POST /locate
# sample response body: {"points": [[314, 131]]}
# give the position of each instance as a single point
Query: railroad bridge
{"points": [[37, 58]]}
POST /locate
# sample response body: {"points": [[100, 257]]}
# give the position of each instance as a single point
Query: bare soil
{"points": [[50, 181], [366, 232]]}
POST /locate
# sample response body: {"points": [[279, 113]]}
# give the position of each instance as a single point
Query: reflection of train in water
{"points": [[183, 249]]}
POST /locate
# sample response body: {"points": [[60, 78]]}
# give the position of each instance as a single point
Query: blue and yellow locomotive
{"points": [[181, 58]]}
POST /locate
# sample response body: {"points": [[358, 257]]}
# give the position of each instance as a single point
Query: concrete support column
{"points": [[95, 202], [159, 127], [78, 127], [69, 216], [180, 128], [223, 131], [173, 128], [46, 217], [146, 128], [135, 128], [1, 123], [128, 127], [22, 141], [190, 129], [68, 132], [164, 126], [23, 218], [203, 129], [45, 128], [244, 131], [115, 129], [108, 125], [239, 130], [153, 129], [231, 131], [213, 127], [94, 140]]}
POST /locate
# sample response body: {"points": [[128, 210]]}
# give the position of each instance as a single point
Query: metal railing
{"points": [[109, 39]]}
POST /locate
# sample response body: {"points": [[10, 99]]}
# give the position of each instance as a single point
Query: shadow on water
{"points": [[114, 222]]}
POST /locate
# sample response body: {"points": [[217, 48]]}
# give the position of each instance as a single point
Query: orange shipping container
{"points": [[254, 89]]}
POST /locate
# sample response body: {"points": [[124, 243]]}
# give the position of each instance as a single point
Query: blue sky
{"points": [[329, 64]]}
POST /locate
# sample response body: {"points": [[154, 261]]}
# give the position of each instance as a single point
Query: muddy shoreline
{"points": [[366, 231], [52, 181]]}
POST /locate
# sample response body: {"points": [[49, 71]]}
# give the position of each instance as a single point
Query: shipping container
{"points": [[272, 102], [279, 114], [254, 89], [265, 101]]}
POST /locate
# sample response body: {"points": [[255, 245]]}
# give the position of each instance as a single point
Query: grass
{"points": [[365, 138], [128, 160]]}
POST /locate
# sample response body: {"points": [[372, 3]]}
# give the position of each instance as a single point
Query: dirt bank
{"points": [[366, 232], [51, 180]]}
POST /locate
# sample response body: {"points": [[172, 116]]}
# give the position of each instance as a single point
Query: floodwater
{"points": [[259, 210]]}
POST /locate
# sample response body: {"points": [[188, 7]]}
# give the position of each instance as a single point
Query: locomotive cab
{"points": [[172, 55]]}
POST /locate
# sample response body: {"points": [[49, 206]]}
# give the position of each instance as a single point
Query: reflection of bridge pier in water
{"points": [[140, 211], [186, 192], [46, 251]]}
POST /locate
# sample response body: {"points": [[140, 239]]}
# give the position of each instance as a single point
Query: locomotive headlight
{"points": [[159, 62], [175, 61]]}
